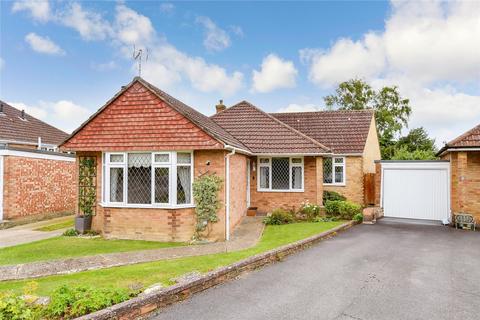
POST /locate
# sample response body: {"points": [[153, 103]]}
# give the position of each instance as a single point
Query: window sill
{"points": [[145, 206], [335, 184], [284, 191]]}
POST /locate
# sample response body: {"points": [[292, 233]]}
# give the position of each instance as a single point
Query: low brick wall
{"points": [[142, 307]]}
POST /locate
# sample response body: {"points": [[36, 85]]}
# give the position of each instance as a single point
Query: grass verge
{"points": [[70, 247], [57, 226], [163, 271]]}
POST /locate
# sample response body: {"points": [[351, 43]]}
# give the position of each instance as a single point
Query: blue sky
{"points": [[61, 60]]}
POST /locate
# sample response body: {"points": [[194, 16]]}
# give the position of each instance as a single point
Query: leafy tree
{"points": [[417, 139], [403, 153], [391, 110]]}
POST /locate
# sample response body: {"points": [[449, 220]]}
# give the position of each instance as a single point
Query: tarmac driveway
{"points": [[385, 271]]}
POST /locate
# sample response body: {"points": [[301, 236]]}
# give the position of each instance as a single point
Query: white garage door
{"points": [[416, 190]]}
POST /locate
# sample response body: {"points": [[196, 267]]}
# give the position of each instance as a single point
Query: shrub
{"points": [[205, 193], [325, 219], [332, 196], [308, 211], [68, 302], [70, 233], [14, 307], [342, 209], [358, 217], [279, 216]]}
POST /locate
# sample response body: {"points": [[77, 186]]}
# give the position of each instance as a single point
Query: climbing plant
{"points": [[87, 187], [205, 193]]}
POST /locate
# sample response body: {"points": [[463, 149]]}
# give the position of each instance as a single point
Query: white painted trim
{"points": [[291, 154], [227, 194], [1, 187], [269, 166], [172, 165], [36, 155], [338, 184], [458, 150]]}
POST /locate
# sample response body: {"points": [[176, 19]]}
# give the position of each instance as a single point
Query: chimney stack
{"points": [[220, 106]]}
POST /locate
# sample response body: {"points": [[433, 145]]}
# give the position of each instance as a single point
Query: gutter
{"points": [[442, 152], [227, 190]]}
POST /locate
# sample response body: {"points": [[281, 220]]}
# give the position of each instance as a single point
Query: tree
{"points": [[417, 139], [402, 153], [391, 110]]}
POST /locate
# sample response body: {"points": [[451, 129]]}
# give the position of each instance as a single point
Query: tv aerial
{"points": [[138, 56]]}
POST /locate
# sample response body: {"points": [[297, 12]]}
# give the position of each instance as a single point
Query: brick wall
{"points": [[353, 188], [159, 224], [238, 189], [35, 186], [465, 182]]}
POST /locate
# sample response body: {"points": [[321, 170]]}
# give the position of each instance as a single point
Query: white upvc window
{"points": [[280, 174], [334, 171], [148, 179]]}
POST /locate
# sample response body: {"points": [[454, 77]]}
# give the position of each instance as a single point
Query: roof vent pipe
{"points": [[220, 106], [23, 114], [1, 107]]}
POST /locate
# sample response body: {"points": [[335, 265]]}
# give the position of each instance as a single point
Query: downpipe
{"points": [[227, 191]]}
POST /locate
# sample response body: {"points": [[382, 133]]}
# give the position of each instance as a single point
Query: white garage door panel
{"points": [[420, 193]]}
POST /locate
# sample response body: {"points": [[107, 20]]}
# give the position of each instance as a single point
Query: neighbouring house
{"points": [[147, 148], [464, 156], [34, 178]]}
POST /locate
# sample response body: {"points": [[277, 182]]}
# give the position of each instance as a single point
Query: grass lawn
{"points": [[57, 226], [69, 247], [164, 271]]}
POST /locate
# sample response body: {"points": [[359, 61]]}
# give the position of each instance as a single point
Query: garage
{"points": [[416, 190]]}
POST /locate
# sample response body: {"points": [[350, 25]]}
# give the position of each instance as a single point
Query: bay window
{"points": [[280, 174], [148, 179], [334, 171]]}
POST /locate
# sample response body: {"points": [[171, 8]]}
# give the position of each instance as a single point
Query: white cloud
{"points": [[132, 27], [237, 30], [38, 9], [167, 7], [293, 107], [43, 44], [275, 73], [167, 66], [431, 50], [63, 114], [216, 39], [90, 25], [426, 41], [107, 66]]}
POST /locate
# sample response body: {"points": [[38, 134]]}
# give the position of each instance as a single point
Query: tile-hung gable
{"points": [[263, 134], [20, 127], [344, 132]]}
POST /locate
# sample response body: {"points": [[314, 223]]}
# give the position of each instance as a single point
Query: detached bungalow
{"points": [[148, 147], [464, 156]]}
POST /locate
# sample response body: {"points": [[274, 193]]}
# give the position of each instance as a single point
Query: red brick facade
{"points": [[35, 186]]}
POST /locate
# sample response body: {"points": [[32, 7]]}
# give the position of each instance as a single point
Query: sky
{"points": [[62, 60]]}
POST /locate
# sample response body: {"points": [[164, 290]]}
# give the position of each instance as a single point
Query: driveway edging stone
{"points": [[142, 307]]}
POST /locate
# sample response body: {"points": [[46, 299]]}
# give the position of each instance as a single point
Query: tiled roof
{"points": [[14, 128], [344, 132], [150, 118], [263, 134], [470, 139]]}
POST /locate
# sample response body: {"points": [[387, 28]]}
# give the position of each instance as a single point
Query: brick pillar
{"points": [[319, 179], [462, 180]]}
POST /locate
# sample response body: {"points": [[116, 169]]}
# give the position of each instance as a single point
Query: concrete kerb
{"points": [[145, 306]]}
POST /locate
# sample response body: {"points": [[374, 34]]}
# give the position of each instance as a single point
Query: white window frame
{"points": [[269, 166], [344, 165], [171, 164]]}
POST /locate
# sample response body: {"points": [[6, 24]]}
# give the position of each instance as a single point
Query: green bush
{"points": [[69, 302], [325, 219], [279, 216], [342, 209], [70, 233], [332, 196], [308, 211], [358, 217], [14, 307]]}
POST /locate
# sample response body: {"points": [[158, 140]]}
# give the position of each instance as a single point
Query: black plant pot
{"points": [[83, 223]]}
